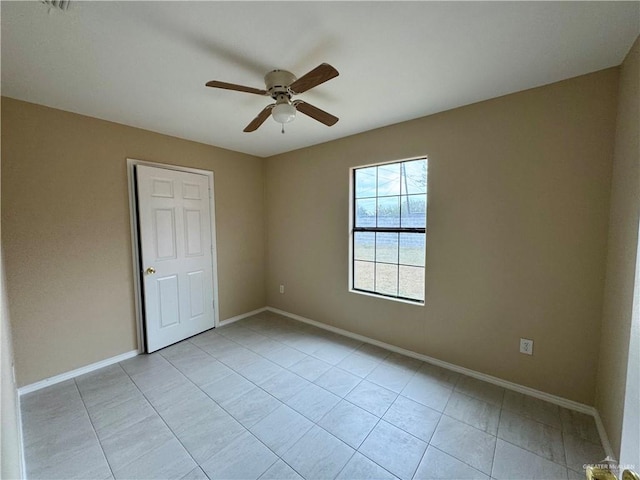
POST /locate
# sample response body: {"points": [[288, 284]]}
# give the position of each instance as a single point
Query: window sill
{"points": [[382, 297]]}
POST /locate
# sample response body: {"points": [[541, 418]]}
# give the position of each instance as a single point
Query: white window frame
{"points": [[351, 235]]}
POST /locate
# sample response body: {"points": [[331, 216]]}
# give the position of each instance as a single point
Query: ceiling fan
{"points": [[281, 85]]}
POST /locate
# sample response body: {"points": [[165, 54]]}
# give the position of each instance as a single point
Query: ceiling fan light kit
{"points": [[283, 112], [281, 85]]}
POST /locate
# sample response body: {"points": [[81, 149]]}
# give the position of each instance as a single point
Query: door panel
{"points": [[193, 233], [169, 301], [162, 188], [176, 253], [196, 293], [165, 234], [191, 191]]}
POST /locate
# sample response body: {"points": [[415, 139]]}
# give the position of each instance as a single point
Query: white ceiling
{"points": [[145, 63]]}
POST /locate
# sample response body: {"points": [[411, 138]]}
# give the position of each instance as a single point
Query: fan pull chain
{"points": [[282, 128]]}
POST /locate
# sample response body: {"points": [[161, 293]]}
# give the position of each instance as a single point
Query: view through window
{"points": [[389, 229]]}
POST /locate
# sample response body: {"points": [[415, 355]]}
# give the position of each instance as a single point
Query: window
{"points": [[388, 234]]}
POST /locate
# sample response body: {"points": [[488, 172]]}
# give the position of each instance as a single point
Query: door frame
{"points": [[630, 437], [135, 243]]}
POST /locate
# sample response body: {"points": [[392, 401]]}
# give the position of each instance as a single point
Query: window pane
{"points": [[366, 182], [387, 247], [390, 203], [389, 212], [364, 246], [363, 275], [412, 249], [387, 279], [414, 211], [389, 179], [366, 213], [414, 177], [411, 282]]}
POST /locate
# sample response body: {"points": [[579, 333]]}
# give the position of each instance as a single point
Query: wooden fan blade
{"points": [[233, 86], [259, 120], [315, 77], [315, 113]]}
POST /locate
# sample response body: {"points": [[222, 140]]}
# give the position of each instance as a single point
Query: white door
{"points": [[176, 254]]}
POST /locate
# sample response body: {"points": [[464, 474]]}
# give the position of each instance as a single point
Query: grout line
{"points": [[357, 449], [415, 470], [207, 383], [343, 398], [564, 449], [283, 461], [345, 465], [497, 437], [397, 395], [95, 432], [428, 443], [534, 453], [247, 430], [495, 447], [289, 367], [461, 461], [161, 418]]}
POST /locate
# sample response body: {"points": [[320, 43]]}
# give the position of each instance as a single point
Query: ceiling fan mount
{"points": [[281, 86], [278, 83]]}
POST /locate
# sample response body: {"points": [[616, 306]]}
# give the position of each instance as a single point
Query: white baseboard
{"points": [[241, 316], [110, 361], [604, 438], [23, 463], [47, 382], [563, 402]]}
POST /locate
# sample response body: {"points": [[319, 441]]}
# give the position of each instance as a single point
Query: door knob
{"points": [[151, 271], [630, 475], [599, 473]]}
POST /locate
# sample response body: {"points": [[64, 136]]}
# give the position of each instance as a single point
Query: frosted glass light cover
{"points": [[283, 113]]}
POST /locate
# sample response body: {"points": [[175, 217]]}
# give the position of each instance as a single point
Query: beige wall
{"points": [[518, 213], [66, 232], [621, 259]]}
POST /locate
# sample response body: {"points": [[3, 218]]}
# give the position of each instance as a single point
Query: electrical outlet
{"points": [[281, 288], [526, 346]]}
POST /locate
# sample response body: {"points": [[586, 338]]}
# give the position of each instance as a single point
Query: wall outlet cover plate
{"points": [[526, 346]]}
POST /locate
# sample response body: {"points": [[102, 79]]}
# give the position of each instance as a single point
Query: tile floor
{"points": [[272, 398]]}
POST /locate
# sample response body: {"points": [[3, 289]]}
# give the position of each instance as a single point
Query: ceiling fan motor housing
{"points": [[277, 83]]}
